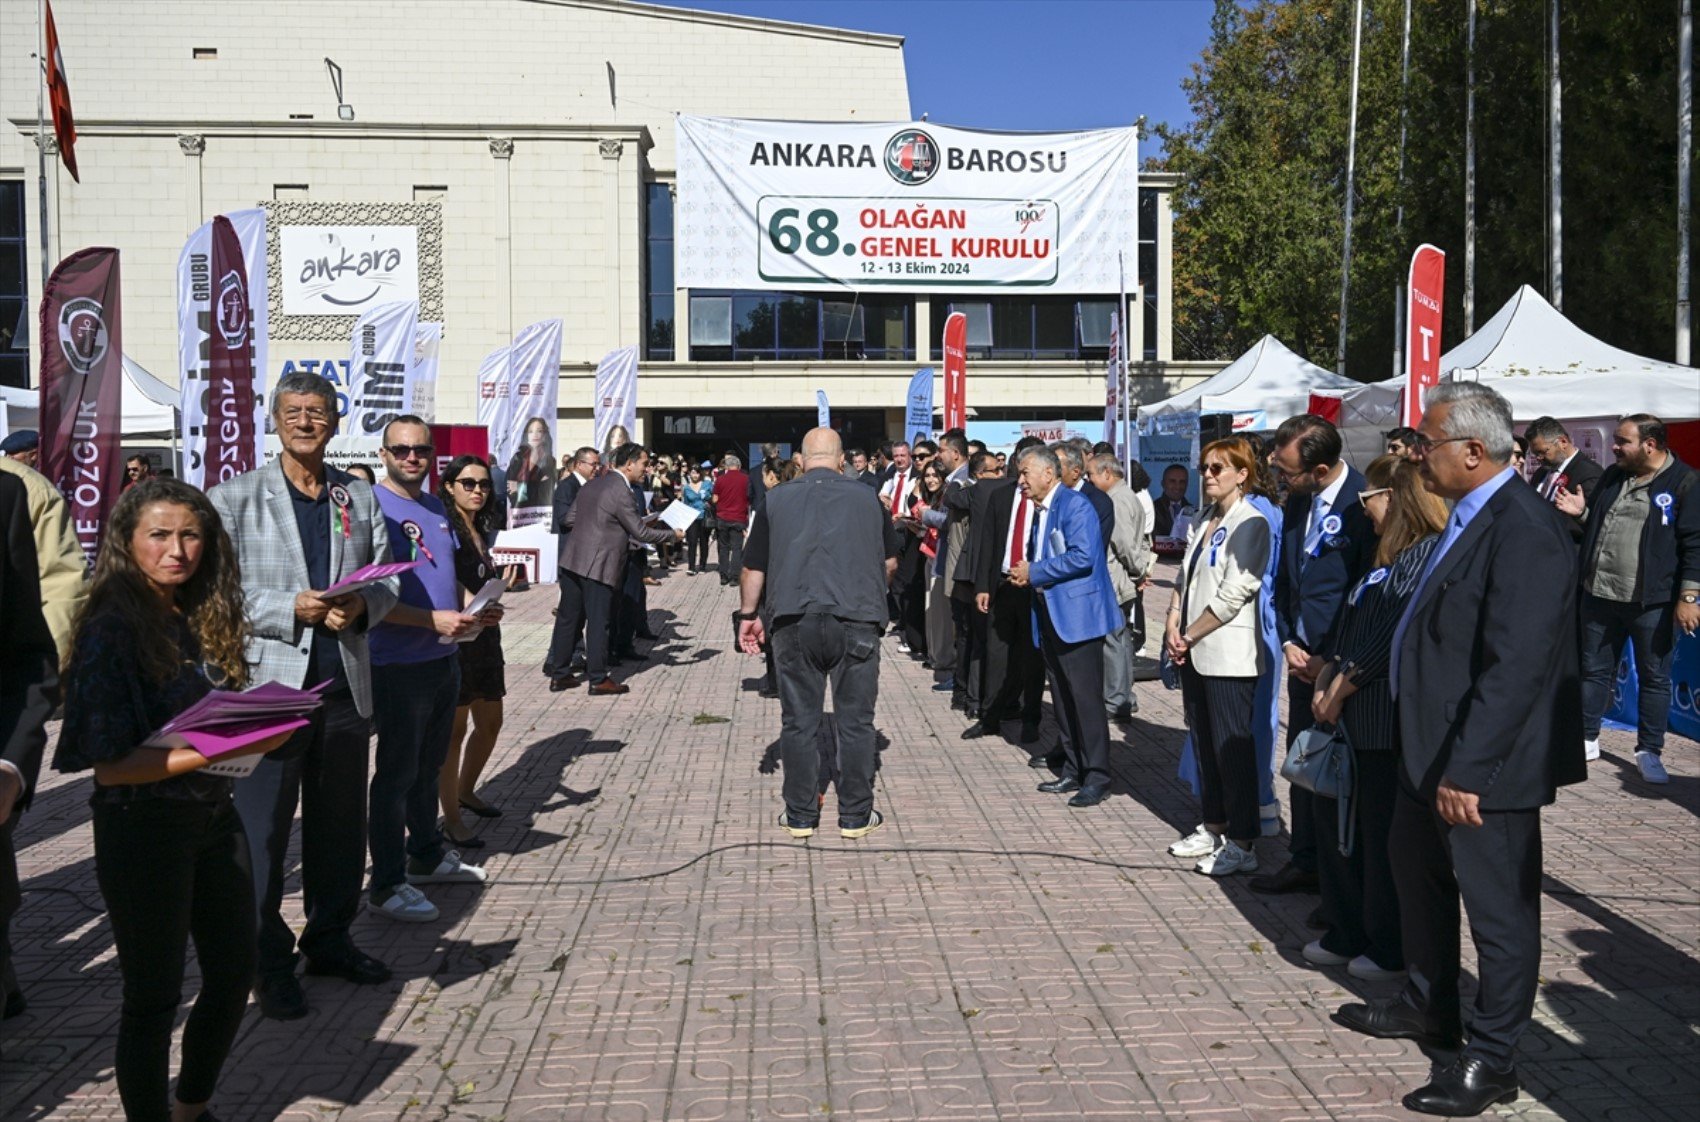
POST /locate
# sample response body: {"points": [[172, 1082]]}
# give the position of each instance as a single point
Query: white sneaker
{"points": [[1318, 955], [406, 904], [1652, 767], [1269, 816], [1369, 970], [1200, 843], [451, 870], [902, 647], [1591, 749], [1227, 861]]}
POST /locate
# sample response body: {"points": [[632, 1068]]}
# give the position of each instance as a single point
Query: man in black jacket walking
{"points": [[1563, 468]]}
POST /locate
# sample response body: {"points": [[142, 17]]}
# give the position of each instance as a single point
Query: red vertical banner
{"points": [[82, 388], [956, 371], [1424, 297], [453, 441], [232, 447]]}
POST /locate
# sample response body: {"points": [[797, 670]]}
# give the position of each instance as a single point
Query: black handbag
{"points": [[1320, 761]]}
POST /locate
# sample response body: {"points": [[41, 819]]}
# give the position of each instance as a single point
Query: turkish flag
{"points": [[59, 94]]}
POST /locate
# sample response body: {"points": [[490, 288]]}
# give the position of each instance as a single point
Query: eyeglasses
{"points": [[474, 484], [1364, 496], [1425, 445], [410, 451], [1213, 469], [311, 416]]}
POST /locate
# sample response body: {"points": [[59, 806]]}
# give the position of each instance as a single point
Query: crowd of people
{"points": [[1447, 632]]}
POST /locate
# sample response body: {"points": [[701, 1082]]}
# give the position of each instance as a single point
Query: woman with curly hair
{"points": [[163, 626]]}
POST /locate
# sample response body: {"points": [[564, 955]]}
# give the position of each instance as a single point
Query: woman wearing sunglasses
{"points": [[1352, 691], [468, 489]]}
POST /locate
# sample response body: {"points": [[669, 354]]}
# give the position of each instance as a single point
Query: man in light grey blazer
{"points": [[1130, 560], [300, 526]]}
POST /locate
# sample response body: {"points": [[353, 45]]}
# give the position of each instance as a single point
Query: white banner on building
{"points": [[196, 292], [422, 384], [616, 393], [911, 206], [380, 368], [347, 270], [522, 433]]}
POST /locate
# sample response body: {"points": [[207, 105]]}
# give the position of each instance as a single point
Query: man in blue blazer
{"points": [[1327, 544], [1074, 608]]}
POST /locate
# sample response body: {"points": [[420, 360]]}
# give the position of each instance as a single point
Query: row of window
{"points": [[14, 305]]}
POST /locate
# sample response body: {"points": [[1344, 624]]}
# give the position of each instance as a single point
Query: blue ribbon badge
{"points": [[1373, 577], [1663, 501], [1330, 533], [1216, 540]]}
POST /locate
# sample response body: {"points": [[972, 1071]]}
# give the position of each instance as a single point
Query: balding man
{"points": [[823, 550]]}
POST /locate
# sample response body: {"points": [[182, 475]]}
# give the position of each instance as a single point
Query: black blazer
{"points": [[29, 662], [1670, 553], [992, 504], [1490, 681], [1579, 472], [1316, 590], [566, 493], [1104, 507]]}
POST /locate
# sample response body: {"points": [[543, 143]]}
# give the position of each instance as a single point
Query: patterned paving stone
{"points": [[651, 946]]}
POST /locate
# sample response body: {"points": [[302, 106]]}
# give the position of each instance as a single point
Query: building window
{"points": [[1148, 198], [658, 273], [769, 326], [14, 300], [1056, 328]]}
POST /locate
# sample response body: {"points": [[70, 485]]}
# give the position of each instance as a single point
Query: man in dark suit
{"points": [[1327, 543], [999, 517], [29, 689], [1486, 676], [563, 644], [604, 522], [1074, 608], [1073, 460], [1563, 468]]}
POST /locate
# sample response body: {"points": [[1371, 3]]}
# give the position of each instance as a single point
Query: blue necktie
{"points": [[1033, 534]]}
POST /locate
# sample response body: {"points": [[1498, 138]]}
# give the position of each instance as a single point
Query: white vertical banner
{"points": [[495, 396], [422, 379], [380, 365], [526, 444], [616, 393], [823, 411], [197, 290]]}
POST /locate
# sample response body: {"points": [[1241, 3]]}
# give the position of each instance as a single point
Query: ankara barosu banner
{"points": [[82, 385], [911, 206], [206, 299]]}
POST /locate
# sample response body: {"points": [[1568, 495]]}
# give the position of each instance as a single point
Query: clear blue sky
{"points": [[1024, 64]]}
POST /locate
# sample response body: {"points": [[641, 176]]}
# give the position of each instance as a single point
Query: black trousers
{"points": [[171, 870], [966, 622], [1077, 692], [588, 605], [696, 545], [1358, 895], [1495, 869], [1218, 711], [323, 767], [568, 633], [1015, 671], [729, 547], [808, 652], [11, 898], [1303, 827], [631, 608]]}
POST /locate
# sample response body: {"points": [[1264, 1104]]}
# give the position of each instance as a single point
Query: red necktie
{"points": [[897, 495], [1019, 538]]}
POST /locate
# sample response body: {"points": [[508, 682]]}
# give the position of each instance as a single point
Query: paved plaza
{"points": [[651, 945]]}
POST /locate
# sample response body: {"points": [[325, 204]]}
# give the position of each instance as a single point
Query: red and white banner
{"points": [[206, 296], [518, 388], [1424, 298], [59, 96], [955, 371], [616, 394], [82, 389]]}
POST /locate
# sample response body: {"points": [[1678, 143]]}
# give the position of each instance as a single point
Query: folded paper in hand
{"points": [[490, 594], [677, 516], [226, 721], [366, 575]]}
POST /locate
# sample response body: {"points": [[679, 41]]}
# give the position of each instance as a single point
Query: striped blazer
{"points": [[261, 522], [1363, 645]]}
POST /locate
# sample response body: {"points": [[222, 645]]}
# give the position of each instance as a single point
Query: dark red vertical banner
{"points": [[1422, 333], [956, 372], [232, 447], [452, 441], [82, 389]]}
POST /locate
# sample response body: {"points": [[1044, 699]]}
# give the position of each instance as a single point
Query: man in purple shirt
{"points": [[415, 682]]}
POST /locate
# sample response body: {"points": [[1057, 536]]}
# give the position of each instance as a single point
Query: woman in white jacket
{"points": [[1211, 634]]}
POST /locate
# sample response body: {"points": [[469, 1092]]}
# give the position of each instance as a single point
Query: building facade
{"points": [[530, 145]]}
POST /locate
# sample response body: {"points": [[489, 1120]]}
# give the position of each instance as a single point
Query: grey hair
{"points": [[1478, 413], [1106, 462], [304, 382], [731, 462], [1066, 452], [1047, 456]]}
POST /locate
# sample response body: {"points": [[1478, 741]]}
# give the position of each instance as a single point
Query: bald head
{"points": [[822, 448]]}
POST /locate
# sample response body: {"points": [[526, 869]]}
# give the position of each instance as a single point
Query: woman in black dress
{"points": [[467, 491], [163, 626]]}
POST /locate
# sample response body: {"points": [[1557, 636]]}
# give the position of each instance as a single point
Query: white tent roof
{"points": [[1269, 380], [149, 405]]}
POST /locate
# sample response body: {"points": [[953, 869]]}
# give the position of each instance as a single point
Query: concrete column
{"points": [[923, 331], [615, 248], [193, 146], [681, 296], [502, 150], [1165, 279]]}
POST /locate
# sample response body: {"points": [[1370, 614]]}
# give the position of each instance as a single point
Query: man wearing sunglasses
{"points": [[299, 526]]}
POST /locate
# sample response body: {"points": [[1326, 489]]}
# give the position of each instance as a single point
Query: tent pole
{"points": [[1684, 161], [1470, 174], [1555, 144]]}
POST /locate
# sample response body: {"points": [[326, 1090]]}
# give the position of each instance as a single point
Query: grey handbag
{"points": [[1320, 761]]}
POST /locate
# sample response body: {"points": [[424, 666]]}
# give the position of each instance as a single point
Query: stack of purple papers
{"points": [[365, 575], [226, 721]]}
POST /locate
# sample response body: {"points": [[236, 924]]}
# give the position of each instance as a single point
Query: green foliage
{"points": [[1259, 216]]}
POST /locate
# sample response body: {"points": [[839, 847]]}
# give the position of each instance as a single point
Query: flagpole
{"points": [[1125, 377], [1470, 173], [1351, 166], [41, 135]]}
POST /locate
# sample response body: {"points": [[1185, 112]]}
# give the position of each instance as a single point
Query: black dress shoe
{"points": [[1464, 1088], [563, 683], [1090, 795], [14, 1007], [484, 810], [1029, 732], [1395, 1020], [351, 966], [1052, 760], [1060, 786], [1290, 879], [281, 998], [1122, 716], [976, 731]]}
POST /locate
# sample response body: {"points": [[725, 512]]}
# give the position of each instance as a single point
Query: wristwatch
{"points": [[1691, 597]]}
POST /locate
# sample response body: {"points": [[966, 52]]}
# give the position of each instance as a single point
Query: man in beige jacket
{"points": [[59, 556], [1130, 559]]}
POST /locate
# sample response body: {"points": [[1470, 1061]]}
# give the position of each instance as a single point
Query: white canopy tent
{"points": [[149, 406], [1261, 388]]}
